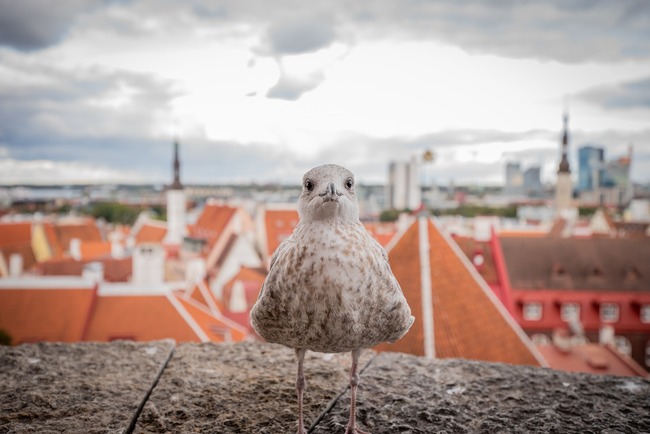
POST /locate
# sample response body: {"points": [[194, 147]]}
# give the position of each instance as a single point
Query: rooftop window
{"points": [[609, 312], [570, 311], [532, 311], [644, 313]]}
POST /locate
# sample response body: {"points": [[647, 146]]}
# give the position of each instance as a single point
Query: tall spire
{"points": [[564, 163], [177, 169]]}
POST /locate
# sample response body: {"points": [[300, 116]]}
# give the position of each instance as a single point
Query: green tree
{"points": [[388, 215], [115, 212]]}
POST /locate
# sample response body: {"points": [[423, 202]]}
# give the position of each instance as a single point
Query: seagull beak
{"points": [[330, 193]]}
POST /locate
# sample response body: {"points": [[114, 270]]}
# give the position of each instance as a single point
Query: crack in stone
{"points": [[138, 411], [336, 399]]}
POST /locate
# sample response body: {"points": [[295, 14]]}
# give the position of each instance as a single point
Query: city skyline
{"points": [[96, 93]]}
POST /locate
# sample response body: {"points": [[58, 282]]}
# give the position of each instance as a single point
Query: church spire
{"points": [[564, 163], [176, 185]]}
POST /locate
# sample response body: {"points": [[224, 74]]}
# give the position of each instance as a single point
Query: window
{"points": [[532, 311], [609, 312], [623, 345], [540, 339], [645, 313], [570, 311]]}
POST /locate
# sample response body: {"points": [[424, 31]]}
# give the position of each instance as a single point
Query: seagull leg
{"points": [[354, 383], [300, 388]]}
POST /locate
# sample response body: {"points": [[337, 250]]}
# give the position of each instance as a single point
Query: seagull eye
{"points": [[309, 186], [349, 183]]}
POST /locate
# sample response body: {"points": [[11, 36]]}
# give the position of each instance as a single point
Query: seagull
{"points": [[330, 288]]}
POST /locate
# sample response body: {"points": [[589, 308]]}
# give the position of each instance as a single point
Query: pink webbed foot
{"points": [[354, 430]]}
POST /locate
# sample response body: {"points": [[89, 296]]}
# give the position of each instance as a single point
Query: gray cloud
{"points": [[28, 25], [631, 94], [300, 35], [548, 30], [83, 115], [291, 88], [580, 31]]}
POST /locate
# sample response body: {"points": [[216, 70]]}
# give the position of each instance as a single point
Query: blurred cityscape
{"points": [[550, 274]]}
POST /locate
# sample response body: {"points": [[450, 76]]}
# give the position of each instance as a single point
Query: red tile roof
{"points": [[279, 224], [211, 223], [139, 318], [382, 232], [56, 314], [15, 234], [591, 358], [149, 233], [217, 330], [468, 321], [25, 251], [598, 264], [252, 280], [95, 249], [16, 238], [115, 270], [53, 240], [472, 248], [85, 230], [76, 313]]}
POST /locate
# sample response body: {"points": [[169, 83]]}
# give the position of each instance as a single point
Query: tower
{"points": [[403, 185], [564, 187], [175, 205]]}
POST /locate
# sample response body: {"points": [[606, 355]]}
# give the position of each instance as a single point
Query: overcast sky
{"points": [[95, 91]]}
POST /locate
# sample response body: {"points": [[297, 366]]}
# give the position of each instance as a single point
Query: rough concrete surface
{"points": [[241, 388], [406, 394], [80, 388], [250, 388]]}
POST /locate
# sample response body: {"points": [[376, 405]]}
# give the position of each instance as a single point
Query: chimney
{"points": [[238, 302], [15, 265], [606, 335], [562, 340], [75, 249], [148, 264], [93, 271]]}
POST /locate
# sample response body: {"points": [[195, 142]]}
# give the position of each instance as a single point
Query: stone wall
{"points": [[159, 387]]}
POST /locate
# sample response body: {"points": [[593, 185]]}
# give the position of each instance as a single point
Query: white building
{"points": [[404, 185], [176, 227]]}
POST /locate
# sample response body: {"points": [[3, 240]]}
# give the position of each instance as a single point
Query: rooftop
{"points": [[156, 387]]}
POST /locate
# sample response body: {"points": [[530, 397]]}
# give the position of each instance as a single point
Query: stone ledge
{"points": [[78, 388], [249, 387]]}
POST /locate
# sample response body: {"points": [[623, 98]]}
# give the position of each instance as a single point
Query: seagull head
{"points": [[328, 193]]}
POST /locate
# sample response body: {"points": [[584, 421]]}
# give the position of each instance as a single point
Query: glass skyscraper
{"points": [[591, 169]]}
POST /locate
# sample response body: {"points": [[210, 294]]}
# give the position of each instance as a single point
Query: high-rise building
{"points": [[176, 228], [403, 185], [533, 181], [590, 167], [514, 179], [601, 182]]}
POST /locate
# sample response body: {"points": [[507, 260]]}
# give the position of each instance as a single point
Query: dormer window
{"points": [[597, 271], [632, 274], [478, 260], [609, 312], [532, 311], [623, 344], [559, 270], [570, 311], [644, 313]]}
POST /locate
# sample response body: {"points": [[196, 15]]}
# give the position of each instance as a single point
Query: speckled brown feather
{"points": [[330, 287]]}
